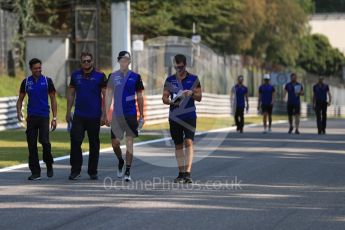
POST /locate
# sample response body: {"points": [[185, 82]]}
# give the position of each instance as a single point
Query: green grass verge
{"points": [[208, 123], [14, 147], [10, 86]]}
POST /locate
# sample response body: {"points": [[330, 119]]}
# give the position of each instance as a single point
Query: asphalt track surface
{"points": [[250, 181]]}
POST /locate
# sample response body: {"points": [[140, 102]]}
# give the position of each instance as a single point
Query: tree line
{"points": [[274, 32]]}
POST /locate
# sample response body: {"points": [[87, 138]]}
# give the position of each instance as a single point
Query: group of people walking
{"points": [[92, 94], [322, 98]]}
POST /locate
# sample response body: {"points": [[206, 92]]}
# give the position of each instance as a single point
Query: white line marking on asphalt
{"points": [[20, 166]]}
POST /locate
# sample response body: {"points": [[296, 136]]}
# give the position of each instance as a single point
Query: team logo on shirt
{"points": [[117, 80]]}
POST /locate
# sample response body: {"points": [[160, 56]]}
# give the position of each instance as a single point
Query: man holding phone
{"points": [[38, 87], [181, 90]]}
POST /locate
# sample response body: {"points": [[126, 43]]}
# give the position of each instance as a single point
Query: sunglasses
{"points": [[180, 67], [86, 61]]}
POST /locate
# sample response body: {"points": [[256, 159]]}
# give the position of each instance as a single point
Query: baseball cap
{"points": [[267, 77], [123, 54]]}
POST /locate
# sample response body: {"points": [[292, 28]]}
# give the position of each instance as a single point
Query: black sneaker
{"points": [[50, 171], [179, 178], [187, 178], [297, 132], [290, 130], [34, 177], [94, 177], [319, 132], [74, 176], [127, 176], [324, 132], [241, 130]]}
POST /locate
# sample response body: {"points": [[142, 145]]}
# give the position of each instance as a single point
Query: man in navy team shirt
{"points": [[320, 103], [181, 90], [239, 98], [38, 87], [294, 90], [86, 89], [266, 102], [123, 86]]}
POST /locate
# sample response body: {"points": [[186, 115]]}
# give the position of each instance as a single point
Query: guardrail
{"points": [[213, 105], [8, 113], [156, 112]]}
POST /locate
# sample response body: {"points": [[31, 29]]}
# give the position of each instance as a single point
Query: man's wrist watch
{"points": [[54, 119]]}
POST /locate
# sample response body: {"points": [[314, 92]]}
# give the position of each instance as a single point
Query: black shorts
{"points": [[293, 109], [122, 125], [267, 109], [182, 129]]}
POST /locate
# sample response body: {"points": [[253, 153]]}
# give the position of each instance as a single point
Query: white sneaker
{"points": [[269, 130], [121, 171]]}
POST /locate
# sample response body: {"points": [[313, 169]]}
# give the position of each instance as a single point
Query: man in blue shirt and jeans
{"points": [[87, 86], [239, 100], [320, 104], [123, 86], [181, 90], [38, 87], [294, 90]]}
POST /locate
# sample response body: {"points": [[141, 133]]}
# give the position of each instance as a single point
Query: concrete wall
{"points": [[53, 52]]}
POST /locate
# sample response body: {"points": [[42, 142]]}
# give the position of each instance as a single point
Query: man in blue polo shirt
{"points": [[294, 90], [86, 89], [38, 87], [320, 103], [123, 86], [266, 102], [239, 100], [181, 90]]}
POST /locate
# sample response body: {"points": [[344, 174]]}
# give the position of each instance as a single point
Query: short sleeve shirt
{"points": [[266, 91], [187, 109], [320, 92], [125, 87], [293, 97], [240, 91], [88, 101], [38, 91]]}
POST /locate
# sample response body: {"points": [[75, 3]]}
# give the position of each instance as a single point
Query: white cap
{"points": [[267, 77]]}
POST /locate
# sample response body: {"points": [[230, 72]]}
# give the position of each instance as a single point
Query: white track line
{"points": [[20, 166]]}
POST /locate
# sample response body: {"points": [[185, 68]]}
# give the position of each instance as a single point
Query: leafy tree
{"points": [[317, 56], [278, 39]]}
